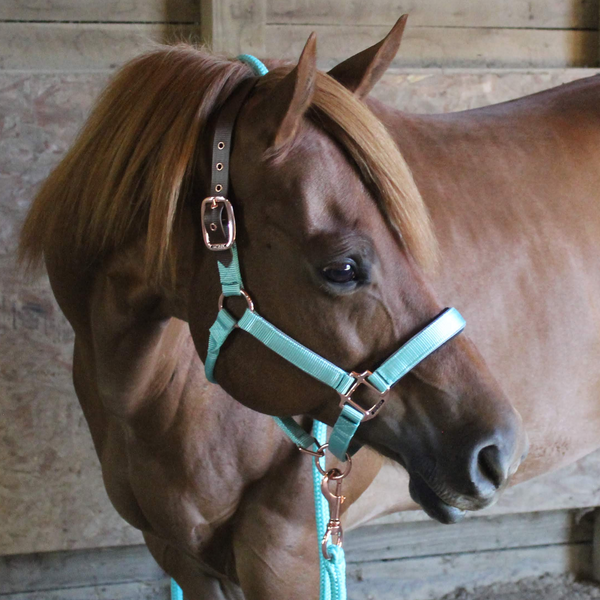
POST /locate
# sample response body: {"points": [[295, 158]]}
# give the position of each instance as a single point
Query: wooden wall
{"points": [[51, 491], [444, 33], [101, 34], [89, 34]]}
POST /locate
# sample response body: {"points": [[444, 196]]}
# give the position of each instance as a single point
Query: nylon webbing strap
{"points": [[343, 431], [307, 360], [296, 433], [220, 330], [229, 273], [419, 347]]}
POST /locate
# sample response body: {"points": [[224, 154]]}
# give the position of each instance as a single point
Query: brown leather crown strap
{"points": [[218, 222]]}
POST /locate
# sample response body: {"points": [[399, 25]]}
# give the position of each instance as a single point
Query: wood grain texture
{"points": [[51, 491], [445, 47], [413, 561], [477, 534], [558, 14], [234, 27], [155, 590], [77, 569], [426, 565], [434, 576], [71, 47], [138, 11]]}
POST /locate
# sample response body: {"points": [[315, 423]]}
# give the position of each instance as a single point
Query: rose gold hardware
{"points": [[361, 379], [243, 293], [218, 188], [320, 453], [219, 166], [221, 145], [334, 531], [339, 474], [212, 203]]}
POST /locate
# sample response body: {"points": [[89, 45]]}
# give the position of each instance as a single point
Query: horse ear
{"points": [[294, 94], [362, 71]]}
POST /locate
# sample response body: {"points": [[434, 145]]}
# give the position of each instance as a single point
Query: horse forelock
{"points": [[129, 170]]}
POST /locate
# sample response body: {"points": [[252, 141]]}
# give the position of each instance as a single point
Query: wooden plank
{"points": [[82, 568], [445, 47], [234, 26], [155, 590], [139, 11], [67, 46], [596, 546], [432, 577], [407, 540], [576, 485], [561, 14]]}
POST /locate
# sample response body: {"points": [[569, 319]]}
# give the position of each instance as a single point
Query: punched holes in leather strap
{"points": [[221, 149]]}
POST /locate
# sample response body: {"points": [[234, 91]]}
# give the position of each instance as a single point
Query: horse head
{"points": [[335, 246]]}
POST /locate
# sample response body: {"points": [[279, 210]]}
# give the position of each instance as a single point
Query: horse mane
{"points": [[131, 167]]}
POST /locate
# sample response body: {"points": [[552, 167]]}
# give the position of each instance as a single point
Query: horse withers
{"points": [[345, 252]]}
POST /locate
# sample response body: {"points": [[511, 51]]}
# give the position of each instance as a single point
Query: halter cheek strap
{"points": [[218, 226]]}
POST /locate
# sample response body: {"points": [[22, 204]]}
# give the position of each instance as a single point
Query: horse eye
{"points": [[340, 272]]}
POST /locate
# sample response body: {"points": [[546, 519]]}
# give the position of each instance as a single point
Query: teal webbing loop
{"points": [[307, 360], [220, 330], [296, 433], [419, 347], [332, 580], [256, 65], [343, 431], [231, 278], [176, 591]]}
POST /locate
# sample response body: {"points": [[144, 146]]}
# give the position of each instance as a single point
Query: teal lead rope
{"points": [[332, 570]]}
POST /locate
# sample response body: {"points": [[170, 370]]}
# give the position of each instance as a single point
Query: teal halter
{"points": [[217, 213], [448, 324]]}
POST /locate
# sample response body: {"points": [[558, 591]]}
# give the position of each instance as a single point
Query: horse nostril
{"points": [[491, 465]]}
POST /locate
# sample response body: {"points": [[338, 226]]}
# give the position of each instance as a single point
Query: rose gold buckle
{"points": [[229, 226], [360, 379]]}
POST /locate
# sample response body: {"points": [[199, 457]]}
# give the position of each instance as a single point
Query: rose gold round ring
{"points": [[342, 474]]}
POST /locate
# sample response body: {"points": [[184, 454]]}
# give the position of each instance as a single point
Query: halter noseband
{"points": [[219, 231]]}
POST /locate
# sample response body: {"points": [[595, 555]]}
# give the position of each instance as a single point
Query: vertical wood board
{"points": [[234, 27]]}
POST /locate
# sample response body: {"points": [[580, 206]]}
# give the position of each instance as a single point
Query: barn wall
{"points": [[457, 33], [89, 34], [97, 34], [51, 491]]}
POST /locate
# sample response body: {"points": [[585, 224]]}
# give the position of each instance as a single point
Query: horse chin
{"points": [[432, 504]]}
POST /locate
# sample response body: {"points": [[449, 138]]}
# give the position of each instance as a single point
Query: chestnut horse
{"points": [[344, 251]]}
